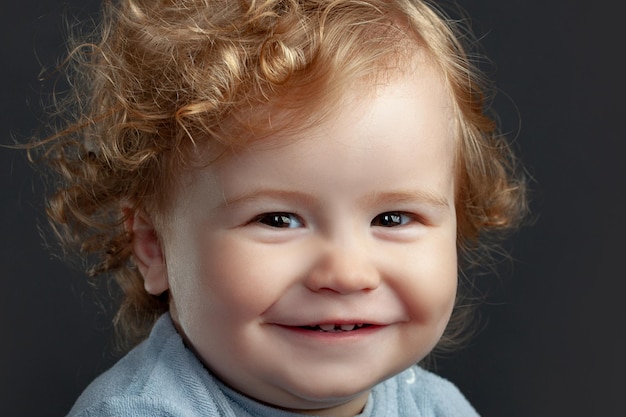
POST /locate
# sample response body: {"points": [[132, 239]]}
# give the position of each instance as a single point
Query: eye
{"points": [[391, 219], [279, 220]]}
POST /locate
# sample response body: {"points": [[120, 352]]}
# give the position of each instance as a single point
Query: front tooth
{"points": [[347, 327], [327, 327]]}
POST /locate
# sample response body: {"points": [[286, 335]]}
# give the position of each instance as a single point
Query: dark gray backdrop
{"points": [[554, 340]]}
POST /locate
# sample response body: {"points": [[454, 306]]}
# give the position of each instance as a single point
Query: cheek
{"points": [[232, 274], [429, 283]]}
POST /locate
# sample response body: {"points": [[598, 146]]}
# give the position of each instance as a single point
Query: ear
{"points": [[147, 252]]}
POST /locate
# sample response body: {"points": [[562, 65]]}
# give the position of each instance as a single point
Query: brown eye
{"points": [[280, 220], [391, 219]]}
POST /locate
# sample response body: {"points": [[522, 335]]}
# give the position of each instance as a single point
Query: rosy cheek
{"points": [[427, 288], [236, 274]]}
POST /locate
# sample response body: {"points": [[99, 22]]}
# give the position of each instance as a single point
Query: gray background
{"points": [[554, 337]]}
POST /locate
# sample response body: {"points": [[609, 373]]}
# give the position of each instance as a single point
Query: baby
{"points": [[283, 191]]}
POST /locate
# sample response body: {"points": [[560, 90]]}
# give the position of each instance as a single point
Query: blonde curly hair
{"points": [[163, 81]]}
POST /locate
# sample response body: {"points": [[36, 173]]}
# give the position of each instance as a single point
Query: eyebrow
{"points": [[386, 197], [409, 196], [267, 194]]}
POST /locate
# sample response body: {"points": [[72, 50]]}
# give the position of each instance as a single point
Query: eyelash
{"points": [[283, 220], [279, 220], [392, 219]]}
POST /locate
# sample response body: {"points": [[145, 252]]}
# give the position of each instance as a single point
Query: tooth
{"points": [[347, 327], [358, 326], [327, 327]]}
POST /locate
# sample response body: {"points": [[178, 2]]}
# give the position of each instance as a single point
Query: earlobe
{"points": [[148, 253]]}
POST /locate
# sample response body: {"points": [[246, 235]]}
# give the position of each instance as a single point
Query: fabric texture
{"points": [[161, 377]]}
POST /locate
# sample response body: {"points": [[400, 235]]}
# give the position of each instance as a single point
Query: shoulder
{"points": [[443, 395], [159, 377], [129, 406], [427, 395]]}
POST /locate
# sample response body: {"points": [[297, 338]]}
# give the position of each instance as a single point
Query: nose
{"points": [[343, 271]]}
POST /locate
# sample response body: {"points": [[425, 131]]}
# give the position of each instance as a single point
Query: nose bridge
{"points": [[344, 263]]}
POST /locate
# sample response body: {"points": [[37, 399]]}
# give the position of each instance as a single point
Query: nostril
{"points": [[343, 271]]}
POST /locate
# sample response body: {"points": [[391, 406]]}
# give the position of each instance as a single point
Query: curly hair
{"points": [[161, 82]]}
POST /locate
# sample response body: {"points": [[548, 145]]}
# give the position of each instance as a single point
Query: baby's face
{"points": [[306, 273]]}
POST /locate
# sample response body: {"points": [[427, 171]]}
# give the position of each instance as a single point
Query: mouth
{"points": [[335, 328]]}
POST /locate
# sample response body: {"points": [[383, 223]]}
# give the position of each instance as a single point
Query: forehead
{"points": [[412, 101], [399, 129], [415, 81], [413, 74]]}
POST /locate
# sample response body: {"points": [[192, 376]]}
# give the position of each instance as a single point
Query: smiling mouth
{"points": [[335, 328]]}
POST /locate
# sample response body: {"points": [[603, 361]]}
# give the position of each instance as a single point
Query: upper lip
{"points": [[298, 312], [338, 322]]}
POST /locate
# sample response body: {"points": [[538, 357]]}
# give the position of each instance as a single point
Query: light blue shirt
{"points": [[161, 377]]}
